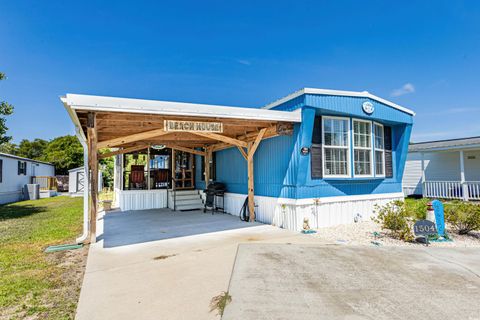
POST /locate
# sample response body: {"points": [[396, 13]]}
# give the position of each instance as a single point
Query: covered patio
{"points": [[116, 126]]}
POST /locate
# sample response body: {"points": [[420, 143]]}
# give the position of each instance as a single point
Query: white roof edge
{"points": [[363, 94], [74, 118], [115, 104]]}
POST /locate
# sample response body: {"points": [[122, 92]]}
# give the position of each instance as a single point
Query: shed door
{"points": [[80, 181]]}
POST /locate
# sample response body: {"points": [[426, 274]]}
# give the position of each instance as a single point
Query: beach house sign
{"points": [[192, 126]]}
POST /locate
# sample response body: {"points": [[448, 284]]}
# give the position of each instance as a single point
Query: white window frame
{"points": [[378, 149], [371, 149], [347, 147]]}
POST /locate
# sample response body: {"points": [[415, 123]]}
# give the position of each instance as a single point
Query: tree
{"points": [[32, 149], [6, 109], [8, 147], [107, 167], [65, 153]]}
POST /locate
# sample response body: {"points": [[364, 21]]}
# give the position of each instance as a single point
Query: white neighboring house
{"points": [[447, 169], [76, 181], [15, 172]]}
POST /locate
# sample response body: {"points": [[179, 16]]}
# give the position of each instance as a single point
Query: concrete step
{"points": [[189, 206], [186, 196], [197, 201], [184, 192]]}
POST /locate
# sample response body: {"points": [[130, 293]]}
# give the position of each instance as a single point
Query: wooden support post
{"points": [[207, 158], [251, 199], [93, 164], [251, 148]]}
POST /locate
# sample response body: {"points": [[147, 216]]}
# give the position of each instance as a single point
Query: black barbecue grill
{"points": [[215, 197]]}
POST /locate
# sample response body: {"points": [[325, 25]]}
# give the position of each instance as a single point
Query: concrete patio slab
{"points": [[341, 282]]}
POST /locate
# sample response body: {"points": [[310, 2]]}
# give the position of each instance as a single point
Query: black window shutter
{"points": [[19, 168], [1, 170], [316, 150], [388, 151]]}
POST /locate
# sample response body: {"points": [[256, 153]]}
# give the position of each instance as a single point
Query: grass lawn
{"points": [[34, 284]]}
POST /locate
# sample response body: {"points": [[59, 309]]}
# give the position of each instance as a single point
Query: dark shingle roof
{"points": [[445, 144]]}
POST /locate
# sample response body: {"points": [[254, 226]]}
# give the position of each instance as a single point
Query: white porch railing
{"points": [[470, 190], [473, 188]]}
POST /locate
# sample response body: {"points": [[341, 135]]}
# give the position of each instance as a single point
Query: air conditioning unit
{"points": [[31, 191]]}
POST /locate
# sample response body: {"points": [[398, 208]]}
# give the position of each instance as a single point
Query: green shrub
{"points": [[394, 217], [417, 208], [463, 216]]}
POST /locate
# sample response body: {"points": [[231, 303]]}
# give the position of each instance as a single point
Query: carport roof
{"points": [[114, 104]]}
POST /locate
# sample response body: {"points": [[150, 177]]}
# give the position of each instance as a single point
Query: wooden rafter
{"points": [[131, 138], [121, 151], [249, 137], [185, 149], [220, 137]]}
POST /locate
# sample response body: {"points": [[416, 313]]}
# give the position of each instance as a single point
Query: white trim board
{"points": [[114, 104], [328, 92], [309, 201]]}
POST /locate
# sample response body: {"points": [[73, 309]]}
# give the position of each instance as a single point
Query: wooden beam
{"points": [[121, 151], [242, 151], [269, 133], [131, 138], [185, 149], [208, 156], [219, 137], [251, 199], [93, 165], [255, 145]]}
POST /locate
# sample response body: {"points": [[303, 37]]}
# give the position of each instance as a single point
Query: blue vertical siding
{"points": [[273, 168], [199, 184]]}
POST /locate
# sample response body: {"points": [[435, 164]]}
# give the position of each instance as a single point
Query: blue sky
{"points": [[423, 55]]}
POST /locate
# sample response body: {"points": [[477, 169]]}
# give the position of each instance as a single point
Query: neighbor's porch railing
{"points": [[469, 190], [45, 182]]}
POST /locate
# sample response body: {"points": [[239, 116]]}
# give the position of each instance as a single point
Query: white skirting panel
{"points": [[140, 199], [323, 212]]}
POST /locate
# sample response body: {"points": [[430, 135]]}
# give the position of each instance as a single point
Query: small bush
{"points": [[463, 216], [417, 208], [394, 217]]}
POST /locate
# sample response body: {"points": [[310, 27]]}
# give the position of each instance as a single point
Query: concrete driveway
{"points": [[341, 282], [157, 264], [162, 265]]}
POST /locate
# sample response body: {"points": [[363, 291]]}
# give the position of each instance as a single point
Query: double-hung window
{"points": [[336, 146], [362, 148], [379, 150]]}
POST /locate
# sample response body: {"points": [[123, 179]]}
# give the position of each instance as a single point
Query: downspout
{"points": [[86, 187]]}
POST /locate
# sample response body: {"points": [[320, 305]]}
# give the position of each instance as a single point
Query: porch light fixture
{"points": [[158, 146]]}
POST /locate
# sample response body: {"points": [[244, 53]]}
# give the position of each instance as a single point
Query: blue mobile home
{"points": [[325, 156], [346, 155]]}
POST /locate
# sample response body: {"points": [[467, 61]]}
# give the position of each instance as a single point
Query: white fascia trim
{"points": [[73, 115], [113, 104], [471, 147], [323, 200], [329, 92]]}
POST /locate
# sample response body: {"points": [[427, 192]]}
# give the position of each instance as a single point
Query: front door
{"points": [[183, 169]]}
